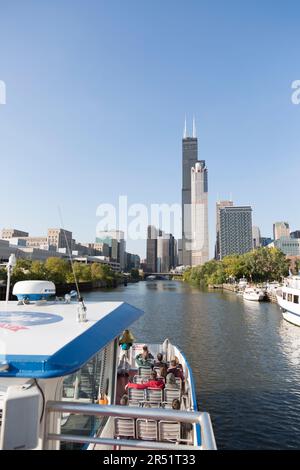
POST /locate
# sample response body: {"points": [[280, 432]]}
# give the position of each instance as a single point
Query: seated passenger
{"points": [[176, 370], [153, 382], [171, 381], [163, 371], [159, 361], [175, 404], [145, 359], [124, 400]]}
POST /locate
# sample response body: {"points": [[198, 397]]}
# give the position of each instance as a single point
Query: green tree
{"points": [[57, 270], [134, 273]]}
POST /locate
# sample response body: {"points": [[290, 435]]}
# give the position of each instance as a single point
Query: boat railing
{"points": [[115, 411]]}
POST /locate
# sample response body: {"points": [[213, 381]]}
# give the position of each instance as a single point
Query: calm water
{"points": [[245, 358]]}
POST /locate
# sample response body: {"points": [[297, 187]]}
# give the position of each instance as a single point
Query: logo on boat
{"points": [[15, 321]]}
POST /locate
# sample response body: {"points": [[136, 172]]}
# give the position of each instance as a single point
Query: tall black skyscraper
{"points": [[189, 159]]}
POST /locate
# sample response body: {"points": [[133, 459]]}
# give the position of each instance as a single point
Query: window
{"points": [[284, 296], [85, 386], [296, 299], [290, 298]]}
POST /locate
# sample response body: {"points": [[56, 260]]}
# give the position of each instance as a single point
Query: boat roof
{"points": [[46, 341]]}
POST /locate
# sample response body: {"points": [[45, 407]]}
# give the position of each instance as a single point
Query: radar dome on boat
{"points": [[34, 290]]}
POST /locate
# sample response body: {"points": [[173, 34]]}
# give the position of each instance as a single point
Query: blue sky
{"points": [[96, 97]]}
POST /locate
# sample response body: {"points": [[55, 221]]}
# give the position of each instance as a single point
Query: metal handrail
{"points": [[120, 442], [201, 418]]}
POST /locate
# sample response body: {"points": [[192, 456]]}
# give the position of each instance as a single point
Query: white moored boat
{"points": [[251, 293], [288, 298], [57, 357]]}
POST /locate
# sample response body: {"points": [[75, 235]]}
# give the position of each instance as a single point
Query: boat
{"points": [[58, 356], [253, 294], [288, 299], [243, 283]]}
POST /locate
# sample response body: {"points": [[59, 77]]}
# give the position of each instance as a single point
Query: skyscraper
{"points": [[256, 237], [189, 159], [280, 230], [151, 257], [219, 206], [235, 230], [199, 214]]}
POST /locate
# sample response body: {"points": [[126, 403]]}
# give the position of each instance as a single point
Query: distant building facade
{"points": [[289, 246], [199, 214], [220, 205], [59, 238], [265, 241], [117, 245], [295, 234], [235, 230], [8, 233], [256, 237], [151, 253], [281, 229]]}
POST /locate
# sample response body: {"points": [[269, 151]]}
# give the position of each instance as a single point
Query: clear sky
{"points": [[96, 97]]}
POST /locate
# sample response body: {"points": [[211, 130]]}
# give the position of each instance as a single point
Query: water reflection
{"points": [[244, 356]]}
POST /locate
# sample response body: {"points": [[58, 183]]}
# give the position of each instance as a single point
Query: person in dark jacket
{"points": [[176, 370], [159, 361]]}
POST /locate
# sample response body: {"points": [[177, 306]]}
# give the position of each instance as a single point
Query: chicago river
{"points": [[245, 358]]}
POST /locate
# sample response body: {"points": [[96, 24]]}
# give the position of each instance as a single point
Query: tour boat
{"points": [[251, 293], [288, 298], [57, 356]]}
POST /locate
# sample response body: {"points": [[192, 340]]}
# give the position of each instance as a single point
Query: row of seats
{"points": [[139, 379], [149, 430], [146, 371], [153, 395]]}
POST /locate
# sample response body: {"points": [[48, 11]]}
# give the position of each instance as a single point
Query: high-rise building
{"points": [[235, 230], [256, 237], [179, 251], [199, 214], [281, 229], [166, 252], [189, 159], [117, 245], [163, 253], [151, 256], [220, 205]]}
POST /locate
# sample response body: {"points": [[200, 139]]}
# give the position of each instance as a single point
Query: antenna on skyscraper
{"points": [[185, 131], [194, 128]]}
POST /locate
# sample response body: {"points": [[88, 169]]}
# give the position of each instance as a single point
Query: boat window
{"points": [[290, 298], [85, 386], [296, 299], [284, 295]]}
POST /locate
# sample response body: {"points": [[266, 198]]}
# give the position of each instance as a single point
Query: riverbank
{"points": [[62, 289]]}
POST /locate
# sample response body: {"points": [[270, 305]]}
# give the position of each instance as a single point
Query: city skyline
{"points": [[126, 78]]}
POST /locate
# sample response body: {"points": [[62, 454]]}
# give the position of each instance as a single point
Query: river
{"points": [[245, 358]]}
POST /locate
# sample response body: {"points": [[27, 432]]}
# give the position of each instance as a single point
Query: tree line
{"points": [[260, 265], [60, 271]]}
